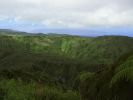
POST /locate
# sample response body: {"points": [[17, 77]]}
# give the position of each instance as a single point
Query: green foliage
{"points": [[124, 72], [86, 75], [100, 50], [18, 90], [56, 94], [115, 83], [49, 67]]}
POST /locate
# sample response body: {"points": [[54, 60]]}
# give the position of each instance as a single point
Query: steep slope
{"points": [[107, 49], [100, 50], [103, 50], [17, 60]]}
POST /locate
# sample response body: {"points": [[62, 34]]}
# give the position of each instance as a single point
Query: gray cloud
{"points": [[69, 13]]}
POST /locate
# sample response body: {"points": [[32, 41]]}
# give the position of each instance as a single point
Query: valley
{"points": [[65, 67]]}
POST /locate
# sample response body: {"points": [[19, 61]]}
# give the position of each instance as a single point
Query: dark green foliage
{"points": [[110, 84], [51, 67]]}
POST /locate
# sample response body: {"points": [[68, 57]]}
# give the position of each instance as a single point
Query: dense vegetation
{"points": [[115, 83], [61, 67]]}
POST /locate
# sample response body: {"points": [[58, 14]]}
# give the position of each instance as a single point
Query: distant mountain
{"points": [[57, 34], [7, 30], [10, 32], [89, 32], [68, 32]]}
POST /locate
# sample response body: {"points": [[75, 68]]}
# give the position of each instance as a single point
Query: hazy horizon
{"points": [[78, 17]]}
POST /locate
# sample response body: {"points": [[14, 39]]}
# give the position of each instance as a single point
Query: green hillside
{"points": [[63, 67], [100, 50]]}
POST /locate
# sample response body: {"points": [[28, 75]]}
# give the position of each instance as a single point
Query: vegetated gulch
{"points": [[64, 67]]}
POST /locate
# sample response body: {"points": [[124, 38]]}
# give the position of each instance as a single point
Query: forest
{"points": [[65, 67]]}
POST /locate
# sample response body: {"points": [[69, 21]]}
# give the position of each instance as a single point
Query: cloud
{"points": [[69, 13]]}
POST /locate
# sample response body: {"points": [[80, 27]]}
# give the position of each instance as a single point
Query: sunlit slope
{"points": [[100, 50]]}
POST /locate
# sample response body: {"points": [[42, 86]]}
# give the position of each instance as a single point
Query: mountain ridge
{"points": [[54, 33]]}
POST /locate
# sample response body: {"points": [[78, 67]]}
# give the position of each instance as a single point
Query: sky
{"points": [[81, 17]]}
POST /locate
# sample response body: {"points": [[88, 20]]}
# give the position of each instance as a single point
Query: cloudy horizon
{"points": [[39, 15]]}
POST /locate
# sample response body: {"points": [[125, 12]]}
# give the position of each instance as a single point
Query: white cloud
{"points": [[69, 13]]}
